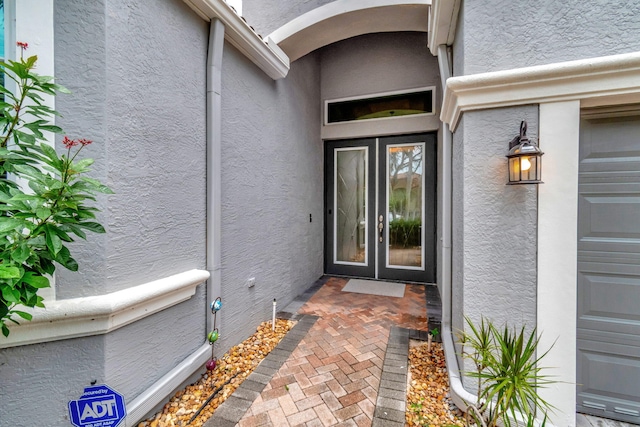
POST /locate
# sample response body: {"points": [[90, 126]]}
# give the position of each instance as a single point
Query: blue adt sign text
{"points": [[99, 406]]}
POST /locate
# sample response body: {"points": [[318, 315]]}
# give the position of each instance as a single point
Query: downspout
{"points": [[461, 397], [214, 164]]}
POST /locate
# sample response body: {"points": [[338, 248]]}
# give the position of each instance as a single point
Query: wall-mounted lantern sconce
{"points": [[524, 157]]}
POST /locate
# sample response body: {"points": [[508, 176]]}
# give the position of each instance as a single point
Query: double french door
{"points": [[380, 207]]}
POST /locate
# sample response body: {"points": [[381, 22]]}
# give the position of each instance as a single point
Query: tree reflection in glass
{"points": [[405, 205]]}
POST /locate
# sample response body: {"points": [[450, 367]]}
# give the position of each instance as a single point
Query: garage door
{"points": [[609, 267]]}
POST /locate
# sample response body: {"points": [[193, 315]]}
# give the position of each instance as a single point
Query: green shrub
{"points": [[37, 222], [406, 232]]}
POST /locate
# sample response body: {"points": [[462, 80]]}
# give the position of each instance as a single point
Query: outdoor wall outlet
{"points": [[251, 282]]}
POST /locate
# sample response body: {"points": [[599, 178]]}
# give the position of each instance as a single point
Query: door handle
{"points": [[380, 226]]}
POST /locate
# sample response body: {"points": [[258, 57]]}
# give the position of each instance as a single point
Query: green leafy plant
{"points": [[508, 373], [405, 231], [43, 194]]}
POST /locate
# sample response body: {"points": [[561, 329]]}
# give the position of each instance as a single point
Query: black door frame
{"points": [[341, 269], [377, 170]]}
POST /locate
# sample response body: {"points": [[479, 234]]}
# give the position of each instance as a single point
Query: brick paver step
{"points": [[343, 365]]}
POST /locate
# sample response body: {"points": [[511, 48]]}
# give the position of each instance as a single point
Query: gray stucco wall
{"points": [[495, 225], [139, 354], [80, 66], [37, 381], [137, 70], [272, 168], [267, 16], [500, 35], [374, 63]]}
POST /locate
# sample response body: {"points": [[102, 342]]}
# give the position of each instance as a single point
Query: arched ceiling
{"points": [[342, 19]]}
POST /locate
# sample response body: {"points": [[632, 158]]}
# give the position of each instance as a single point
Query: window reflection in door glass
{"points": [[405, 205]]}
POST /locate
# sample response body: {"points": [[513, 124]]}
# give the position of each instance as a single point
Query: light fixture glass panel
{"points": [[514, 169]]}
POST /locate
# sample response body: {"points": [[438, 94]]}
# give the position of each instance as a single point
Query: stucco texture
{"points": [[494, 225], [501, 34], [37, 381], [374, 63], [137, 72], [272, 180], [267, 16], [140, 96]]}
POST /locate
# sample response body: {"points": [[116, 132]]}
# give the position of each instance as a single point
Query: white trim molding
{"points": [[158, 392], [263, 52], [557, 255], [607, 80], [342, 19], [443, 19], [95, 315]]}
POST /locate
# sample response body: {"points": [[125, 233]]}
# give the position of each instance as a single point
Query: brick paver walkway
{"points": [[333, 375]]}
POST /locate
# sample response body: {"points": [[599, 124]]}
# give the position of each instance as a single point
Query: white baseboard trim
{"points": [[81, 317], [161, 389]]}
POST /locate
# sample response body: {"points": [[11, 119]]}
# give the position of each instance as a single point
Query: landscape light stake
{"points": [[213, 336], [273, 318]]}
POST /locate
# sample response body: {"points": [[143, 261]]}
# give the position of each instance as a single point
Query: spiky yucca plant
{"points": [[508, 372]]}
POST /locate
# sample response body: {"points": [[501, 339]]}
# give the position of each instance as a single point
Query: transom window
{"points": [[386, 105]]}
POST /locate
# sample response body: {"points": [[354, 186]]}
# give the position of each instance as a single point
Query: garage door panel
{"points": [[626, 260], [611, 141], [608, 334], [609, 372], [609, 218], [609, 302], [608, 337], [609, 384]]}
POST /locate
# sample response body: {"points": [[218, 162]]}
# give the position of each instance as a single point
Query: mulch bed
{"points": [[231, 370]]}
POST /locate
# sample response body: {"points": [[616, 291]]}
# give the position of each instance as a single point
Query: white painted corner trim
{"points": [[95, 315], [607, 80], [262, 52], [443, 19]]}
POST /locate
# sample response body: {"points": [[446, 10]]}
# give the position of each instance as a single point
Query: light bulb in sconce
{"points": [[525, 164]]}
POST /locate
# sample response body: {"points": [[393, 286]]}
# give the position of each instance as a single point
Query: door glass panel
{"points": [[350, 205], [405, 207]]}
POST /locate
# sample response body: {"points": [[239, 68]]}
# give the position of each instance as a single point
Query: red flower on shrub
{"points": [[68, 142]]}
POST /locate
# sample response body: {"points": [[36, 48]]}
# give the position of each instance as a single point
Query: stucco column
{"points": [[557, 254]]}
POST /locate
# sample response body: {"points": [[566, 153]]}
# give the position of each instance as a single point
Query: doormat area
{"points": [[375, 287]]}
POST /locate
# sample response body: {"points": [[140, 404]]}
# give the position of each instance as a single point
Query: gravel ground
{"points": [[241, 360], [428, 402]]}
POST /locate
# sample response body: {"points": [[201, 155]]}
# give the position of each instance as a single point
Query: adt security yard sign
{"points": [[99, 406]]}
